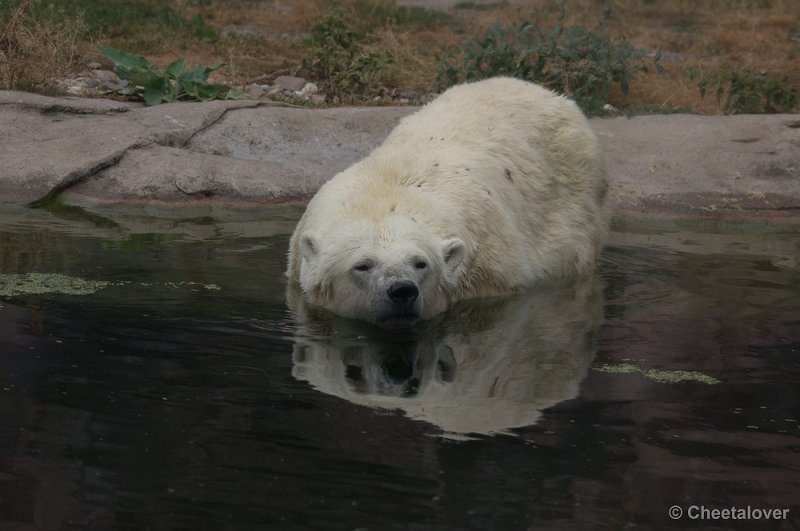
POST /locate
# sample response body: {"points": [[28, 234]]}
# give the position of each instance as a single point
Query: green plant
{"points": [[399, 16], [480, 7], [573, 60], [339, 60], [174, 83], [747, 92], [129, 20], [202, 30], [656, 109], [125, 17]]}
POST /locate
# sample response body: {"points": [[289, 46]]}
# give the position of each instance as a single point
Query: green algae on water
{"points": [[658, 375], [622, 368], [39, 283], [206, 286], [679, 376]]}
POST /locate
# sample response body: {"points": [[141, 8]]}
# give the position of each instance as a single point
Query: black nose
{"points": [[398, 369], [403, 292]]}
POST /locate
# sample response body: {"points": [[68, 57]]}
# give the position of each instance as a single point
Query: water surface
{"points": [[160, 381]]}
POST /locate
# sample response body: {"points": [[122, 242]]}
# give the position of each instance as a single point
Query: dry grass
{"points": [[262, 38], [717, 36], [32, 53]]}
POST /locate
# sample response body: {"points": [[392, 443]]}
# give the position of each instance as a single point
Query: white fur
{"points": [[495, 185], [486, 367]]}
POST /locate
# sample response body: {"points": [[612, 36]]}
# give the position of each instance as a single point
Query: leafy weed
{"points": [[572, 60], [747, 92], [340, 60], [174, 83]]}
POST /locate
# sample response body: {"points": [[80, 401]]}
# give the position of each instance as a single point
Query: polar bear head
{"points": [[391, 272]]}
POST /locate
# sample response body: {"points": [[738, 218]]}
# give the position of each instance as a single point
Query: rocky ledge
{"points": [[90, 152]]}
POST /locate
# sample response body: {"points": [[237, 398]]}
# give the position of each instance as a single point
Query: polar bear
{"points": [[490, 188], [484, 368]]}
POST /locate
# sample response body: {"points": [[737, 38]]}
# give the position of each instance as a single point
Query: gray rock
{"points": [[54, 143], [706, 166], [13, 102], [291, 83], [108, 81], [92, 83], [105, 76], [175, 175], [256, 155], [317, 141], [309, 89], [255, 91], [249, 152]]}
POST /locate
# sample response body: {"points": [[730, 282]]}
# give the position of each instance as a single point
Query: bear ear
{"points": [[309, 246], [453, 250]]}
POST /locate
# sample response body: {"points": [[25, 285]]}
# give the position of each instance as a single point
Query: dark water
{"points": [[184, 394]]}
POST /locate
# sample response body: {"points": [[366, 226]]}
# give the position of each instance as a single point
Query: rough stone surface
{"points": [[250, 153], [50, 144], [290, 83], [706, 166], [92, 83], [264, 154]]}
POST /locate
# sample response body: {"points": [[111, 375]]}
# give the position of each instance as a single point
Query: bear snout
{"points": [[403, 292], [401, 307]]}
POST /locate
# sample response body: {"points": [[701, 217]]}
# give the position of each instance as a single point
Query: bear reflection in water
{"points": [[483, 367]]}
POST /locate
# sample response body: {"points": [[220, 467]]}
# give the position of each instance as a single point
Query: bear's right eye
{"points": [[363, 267]]}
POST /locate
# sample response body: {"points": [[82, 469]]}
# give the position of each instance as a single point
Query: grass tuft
{"points": [[720, 56], [34, 50], [572, 60], [341, 58], [746, 92]]}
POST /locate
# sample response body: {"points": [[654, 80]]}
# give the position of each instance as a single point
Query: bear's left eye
{"points": [[420, 265], [363, 267]]}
